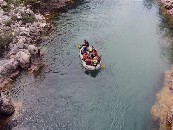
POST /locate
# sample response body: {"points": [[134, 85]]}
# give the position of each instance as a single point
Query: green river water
{"points": [[135, 44]]}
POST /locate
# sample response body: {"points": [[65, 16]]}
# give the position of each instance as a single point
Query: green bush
{"points": [[5, 39], [27, 18], [6, 7], [8, 22], [14, 18], [31, 1]]}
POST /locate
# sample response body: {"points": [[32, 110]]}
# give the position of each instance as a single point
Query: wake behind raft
{"points": [[90, 58]]}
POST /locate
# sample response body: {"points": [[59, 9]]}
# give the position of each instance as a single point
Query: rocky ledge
{"points": [[20, 30]]}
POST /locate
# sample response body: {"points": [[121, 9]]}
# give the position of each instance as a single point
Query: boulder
{"points": [[1, 1], [4, 3], [32, 49], [8, 66], [169, 6], [35, 55], [23, 56], [13, 50]]}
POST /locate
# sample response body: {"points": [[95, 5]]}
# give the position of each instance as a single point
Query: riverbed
{"points": [[133, 40]]}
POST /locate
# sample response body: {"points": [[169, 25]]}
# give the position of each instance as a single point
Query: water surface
{"points": [[130, 36]]}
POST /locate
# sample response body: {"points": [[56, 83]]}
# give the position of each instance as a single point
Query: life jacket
{"points": [[86, 44], [88, 61], [83, 51], [93, 54], [84, 57], [98, 58], [94, 61]]}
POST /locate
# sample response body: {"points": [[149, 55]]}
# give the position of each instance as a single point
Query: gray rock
{"points": [[23, 56], [32, 49], [8, 66], [14, 49], [169, 6]]}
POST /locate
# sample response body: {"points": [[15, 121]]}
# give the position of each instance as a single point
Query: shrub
{"points": [[6, 7], [8, 22], [27, 18], [31, 1], [5, 39]]}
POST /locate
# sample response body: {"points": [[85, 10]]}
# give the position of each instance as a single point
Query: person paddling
{"points": [[94, 61], [83, 51], [85, 45], [84, 56], [88, 61]]}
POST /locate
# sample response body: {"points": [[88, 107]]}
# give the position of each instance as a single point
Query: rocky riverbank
{"points": [[20, 31], [167, 7], [162, 110], [20, 28]]}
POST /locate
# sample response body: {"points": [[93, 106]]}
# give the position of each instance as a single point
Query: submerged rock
{"points": [[6, 106]]}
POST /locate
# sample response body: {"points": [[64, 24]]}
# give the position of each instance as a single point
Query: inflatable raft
{"points": [[89, 67]]}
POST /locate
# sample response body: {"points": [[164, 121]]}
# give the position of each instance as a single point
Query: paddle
{"points": [[103, 66], [78, 46]]}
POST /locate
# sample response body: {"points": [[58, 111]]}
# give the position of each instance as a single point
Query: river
{"points": [[132, 38]]}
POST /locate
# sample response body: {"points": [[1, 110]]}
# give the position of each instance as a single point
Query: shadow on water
{"points": [[92, 73], [9, 125]]}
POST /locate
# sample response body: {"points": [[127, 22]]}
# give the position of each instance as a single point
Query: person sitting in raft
{"points": [[88, 61], [86, 44], [83, 51], [98, 58], [84, 56], [93, 53], [94, 61]]}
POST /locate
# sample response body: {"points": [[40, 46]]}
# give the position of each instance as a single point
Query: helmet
{"points": [[95, 58], [94, 62], [90, 50]]}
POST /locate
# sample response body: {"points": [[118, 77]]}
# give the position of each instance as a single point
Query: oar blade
{"points": [[78, 46], [103, 66]]}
